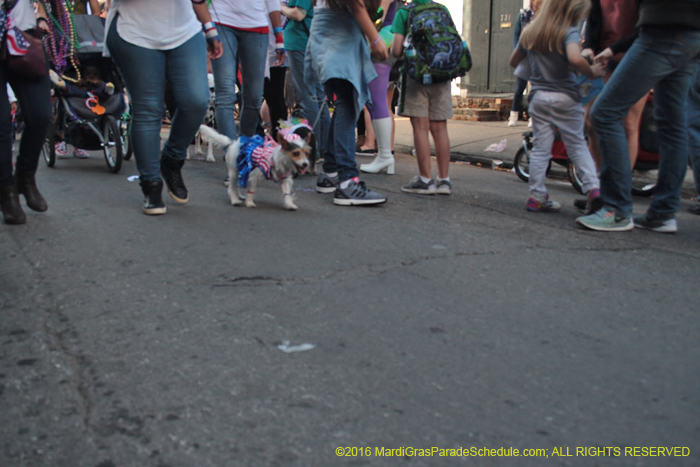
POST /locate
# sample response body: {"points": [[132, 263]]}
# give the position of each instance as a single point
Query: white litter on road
{"points": [[497, 147], [132, 178], [286, 348]]}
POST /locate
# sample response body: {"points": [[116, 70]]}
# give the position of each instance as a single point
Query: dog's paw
{"points": [[291, 206], [235, 201], [250, 204], [211, 159]]}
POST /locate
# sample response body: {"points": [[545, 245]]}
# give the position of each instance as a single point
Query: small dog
{"points": [[279, 162]]}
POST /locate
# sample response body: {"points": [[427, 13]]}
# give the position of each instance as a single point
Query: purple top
{"points": [[390, 13]]}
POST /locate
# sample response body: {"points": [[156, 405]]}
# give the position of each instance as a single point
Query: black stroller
{"points": [[92, 124]]}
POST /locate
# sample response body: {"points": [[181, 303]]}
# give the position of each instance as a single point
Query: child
{"points": [[429, 106], [90, 84], [339, 55], [551, 45]]}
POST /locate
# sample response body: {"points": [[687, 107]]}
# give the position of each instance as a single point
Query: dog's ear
{"points": [[308, 137]]}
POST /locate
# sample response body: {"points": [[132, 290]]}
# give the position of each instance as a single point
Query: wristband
{"points": [[206, 27], [278, 30], [376, 41], [280, 47]]}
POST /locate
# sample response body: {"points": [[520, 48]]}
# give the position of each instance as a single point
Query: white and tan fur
{"points": [[288, 159], [199, 138], [209, 120]]}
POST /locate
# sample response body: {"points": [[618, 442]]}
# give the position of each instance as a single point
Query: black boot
{"points": [[26, 185], [9, 203], [153, 203], [170, 168]]}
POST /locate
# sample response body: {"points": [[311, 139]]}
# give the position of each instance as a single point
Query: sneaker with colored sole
{"points": [[62, 150], [605, 220], [538, 204], [657, 223], [418, 186], [357, 194]]}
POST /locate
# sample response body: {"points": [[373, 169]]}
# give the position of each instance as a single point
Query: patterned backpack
{"points": [[435, 51]]}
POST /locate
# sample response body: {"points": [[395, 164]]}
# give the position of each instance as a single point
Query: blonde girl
{"points": [[551, 45]]}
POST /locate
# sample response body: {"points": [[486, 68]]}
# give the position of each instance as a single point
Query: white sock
{"points": [[332, 174], [344, 184], [442, 179], [425, 180]]}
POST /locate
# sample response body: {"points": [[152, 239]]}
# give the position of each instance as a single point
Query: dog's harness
{"points": [[256, 153]]}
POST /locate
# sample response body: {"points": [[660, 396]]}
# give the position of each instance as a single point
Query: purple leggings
{"points": [[377, 89]]}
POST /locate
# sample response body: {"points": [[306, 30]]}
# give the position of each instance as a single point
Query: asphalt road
{"points": [[446, 322]]}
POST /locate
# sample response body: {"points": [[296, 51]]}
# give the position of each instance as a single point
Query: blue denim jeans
{"points": [[694, 126], [340, 156], [311, 97], [250, 48], [145, 72], [662, 59], [34, 98]]}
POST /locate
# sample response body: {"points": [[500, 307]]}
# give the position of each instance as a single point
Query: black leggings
{"points": [[274, 96], [34, 99]]}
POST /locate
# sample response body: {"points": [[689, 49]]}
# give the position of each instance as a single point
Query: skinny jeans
{"points": [[146, 72], [663, 60]]}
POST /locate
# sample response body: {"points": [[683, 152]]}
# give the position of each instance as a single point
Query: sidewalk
{"points": [[469, 140]]}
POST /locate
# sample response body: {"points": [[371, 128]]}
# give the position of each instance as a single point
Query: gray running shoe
{"points": [[444, 187], [326, 184], [357, 194], [657, 223], [416, 185]]}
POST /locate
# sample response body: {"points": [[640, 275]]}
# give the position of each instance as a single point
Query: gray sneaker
{"points": [[444, 187], [416, 185], [356, 194], [326, 184], [657, 223]]}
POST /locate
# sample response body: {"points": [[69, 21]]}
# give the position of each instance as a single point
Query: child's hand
{"points": [[380, 51], [588, 54], [597, 70], [604, 56]]}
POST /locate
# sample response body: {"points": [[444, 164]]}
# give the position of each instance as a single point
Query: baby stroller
{"points": [[92, 124]]}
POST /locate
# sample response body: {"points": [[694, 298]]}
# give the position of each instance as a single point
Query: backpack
{"points": [[435, 51]]}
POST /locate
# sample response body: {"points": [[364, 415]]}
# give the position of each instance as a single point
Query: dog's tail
{"points": [[214, 137]]}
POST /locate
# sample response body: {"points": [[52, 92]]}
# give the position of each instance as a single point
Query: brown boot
{"points": [[26, 185], [9, 203]]}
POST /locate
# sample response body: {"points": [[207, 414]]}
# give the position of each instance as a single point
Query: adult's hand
{"points": [[215, 50], [280, 55], [380, 51]]}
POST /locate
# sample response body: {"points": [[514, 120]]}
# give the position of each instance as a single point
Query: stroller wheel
{"points": [[49, 148], [112, 144]]}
